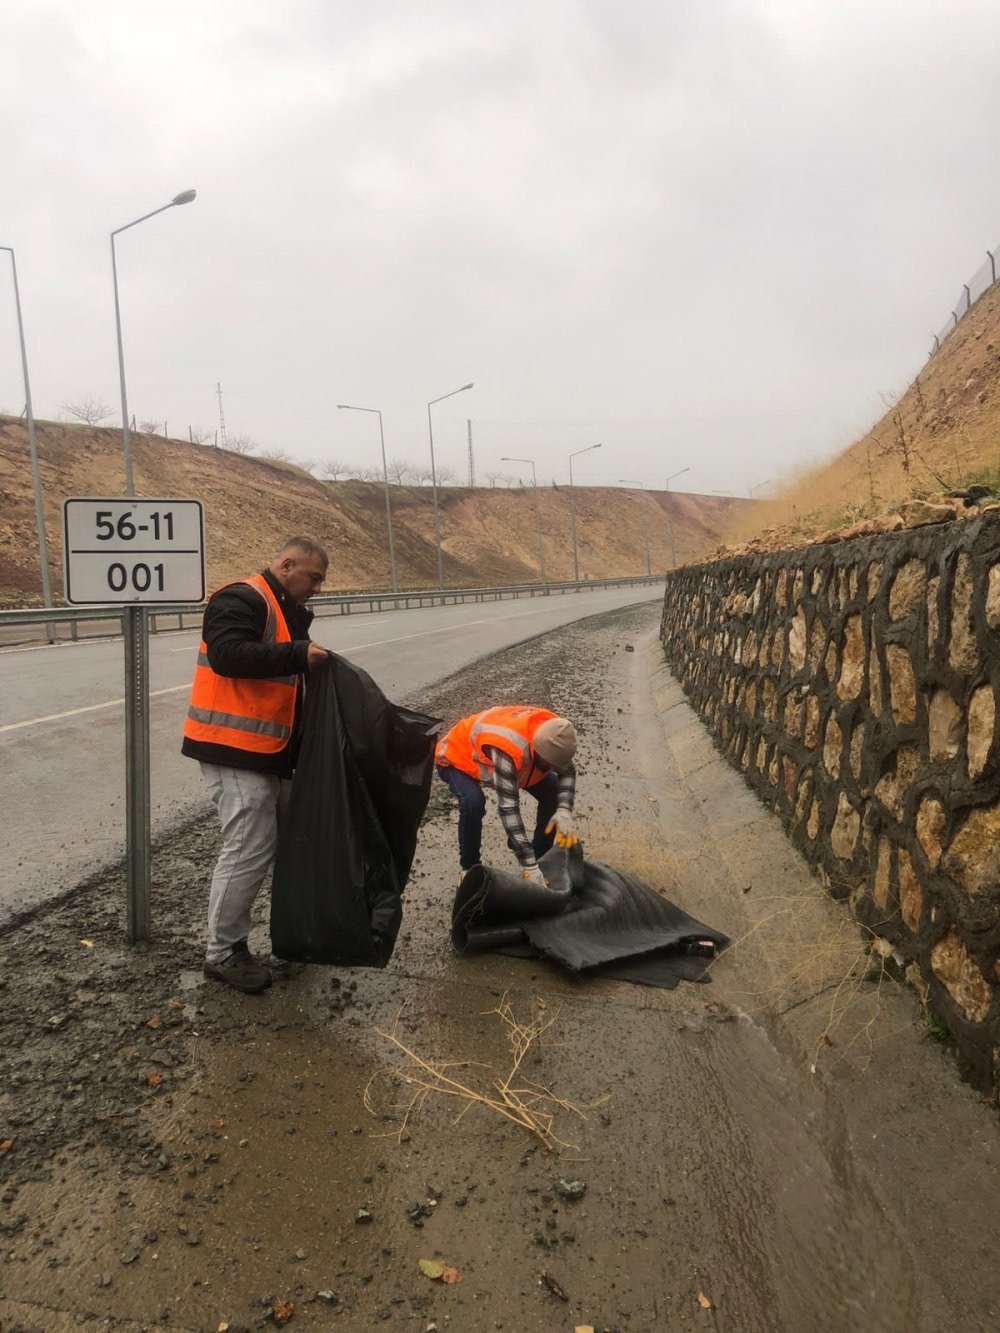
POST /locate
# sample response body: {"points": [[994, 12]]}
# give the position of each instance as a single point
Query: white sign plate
{"points": [[123, 549]]}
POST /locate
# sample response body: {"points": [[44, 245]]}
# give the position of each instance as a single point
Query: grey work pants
{"points": [[249, 806]]}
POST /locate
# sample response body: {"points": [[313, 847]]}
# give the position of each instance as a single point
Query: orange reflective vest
{"points": [[254, 715], [511, 730]]}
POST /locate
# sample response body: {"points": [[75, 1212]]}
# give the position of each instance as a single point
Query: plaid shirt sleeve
{"points": [[509, 804], [567, 789]]}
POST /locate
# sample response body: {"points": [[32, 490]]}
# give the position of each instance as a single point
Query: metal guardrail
{"points": [[63, 624]]}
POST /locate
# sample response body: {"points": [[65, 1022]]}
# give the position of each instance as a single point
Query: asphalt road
{"points": [[62, 744]]}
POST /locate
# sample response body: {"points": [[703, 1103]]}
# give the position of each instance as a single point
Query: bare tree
{"points": [[275, 454], [446, 476], [493, 478], [308, 464], [197, 435], [240, 444], [334, 469], [400, 471], [90, 410], [149, 427], [365, 473], [421, 473]]}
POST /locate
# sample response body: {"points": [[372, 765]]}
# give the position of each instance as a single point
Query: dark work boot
{"points": [[241, 971]]}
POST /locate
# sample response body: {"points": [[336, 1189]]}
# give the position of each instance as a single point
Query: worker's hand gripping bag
{"points": [[347, 840]]}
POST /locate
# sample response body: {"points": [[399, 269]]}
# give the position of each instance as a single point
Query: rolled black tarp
{"points": [[346, 842], [591, 920]]}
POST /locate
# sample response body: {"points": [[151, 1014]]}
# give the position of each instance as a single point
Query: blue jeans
{"points": [[472, 807]]}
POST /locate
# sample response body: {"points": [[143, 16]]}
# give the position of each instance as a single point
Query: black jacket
{"points": [[233, 630]]}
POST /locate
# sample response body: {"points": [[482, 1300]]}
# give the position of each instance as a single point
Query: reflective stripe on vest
{"points": [[243, 713], [507, 729]]}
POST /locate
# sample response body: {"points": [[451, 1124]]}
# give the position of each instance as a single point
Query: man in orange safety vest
{"points": [[244, 727], [512, 749]]}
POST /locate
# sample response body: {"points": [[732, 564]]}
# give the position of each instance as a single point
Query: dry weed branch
{"points": [[531, 1105]]}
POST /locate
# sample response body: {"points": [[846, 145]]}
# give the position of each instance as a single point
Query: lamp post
{"points": [[349, 407], [437, 510], [185, 197], [623, 481], [572, 506], [670, 517], [538, 520], [36, 480], [757, 487]]}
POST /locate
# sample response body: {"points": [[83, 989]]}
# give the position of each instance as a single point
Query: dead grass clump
{"points": [[838, 965], [403, 1088]]}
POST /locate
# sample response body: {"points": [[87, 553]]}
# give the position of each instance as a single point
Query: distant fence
{"points": [[57, 624], [981, 281]]}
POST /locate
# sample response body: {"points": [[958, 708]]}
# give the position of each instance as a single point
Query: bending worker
{"points": [[244, 725], [512, 750]]}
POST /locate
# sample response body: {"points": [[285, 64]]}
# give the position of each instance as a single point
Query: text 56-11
{"points": [[125, 530]]}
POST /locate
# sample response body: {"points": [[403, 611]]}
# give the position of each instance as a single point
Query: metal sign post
{"points": [[136, 552]]}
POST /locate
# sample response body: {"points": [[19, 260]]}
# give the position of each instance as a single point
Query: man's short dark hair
{"points": [[306, 546]]}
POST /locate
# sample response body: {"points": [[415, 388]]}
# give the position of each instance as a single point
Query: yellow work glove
{"points": [[533, 874], [562, 823]]}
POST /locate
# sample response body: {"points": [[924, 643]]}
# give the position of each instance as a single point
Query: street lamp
{"points": [[437, 511], [623, 481], [572, 506], [538, 521], [36, 480], [758, 486], [185, 197], [348, 407], [670, 517]]}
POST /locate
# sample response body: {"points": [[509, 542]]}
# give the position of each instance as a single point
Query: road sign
{"points": [[137, 551]]}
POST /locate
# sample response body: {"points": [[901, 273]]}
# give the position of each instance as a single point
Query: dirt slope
{"points": [[251, 504], [942, 434]]}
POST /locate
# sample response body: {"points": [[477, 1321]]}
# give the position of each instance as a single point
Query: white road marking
{"points": [[90, 708]]}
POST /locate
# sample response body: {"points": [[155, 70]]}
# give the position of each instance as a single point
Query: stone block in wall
{"points": [[982, 723], [794, 710], [857, 750], [892, 787], [833, 745], [830, 662], [811, 734], [993, 598], [874, 578], [902, 686], [846, 827], [852, 661], [962, 651], [883, 874], [944, 726], [875, 682], [911, 896], [789, 779], [933, 623], [812, 826], [931, 821], [961, 978], [909, 588], [781, 589], [973, 859], [797, 639]]}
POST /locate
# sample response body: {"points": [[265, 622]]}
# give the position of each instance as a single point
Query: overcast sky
{"points": [[708, 234]]}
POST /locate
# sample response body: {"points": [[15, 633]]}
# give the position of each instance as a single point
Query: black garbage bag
{"points": [[591, 919], [347, 840]]}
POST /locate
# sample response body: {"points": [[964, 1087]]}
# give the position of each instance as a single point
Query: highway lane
{"points": [[62, 748]]}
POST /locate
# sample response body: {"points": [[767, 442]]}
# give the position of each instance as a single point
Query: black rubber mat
{"points": [[591, 920]]}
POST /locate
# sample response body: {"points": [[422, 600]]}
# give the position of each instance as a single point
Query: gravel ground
{"points": [[174, 1154]]}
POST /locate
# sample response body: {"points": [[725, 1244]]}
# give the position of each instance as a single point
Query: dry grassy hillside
{"points": [[251, 504], [943, 434]]}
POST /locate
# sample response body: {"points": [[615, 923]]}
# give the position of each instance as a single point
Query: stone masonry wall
{"points": [[856, 686]]}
